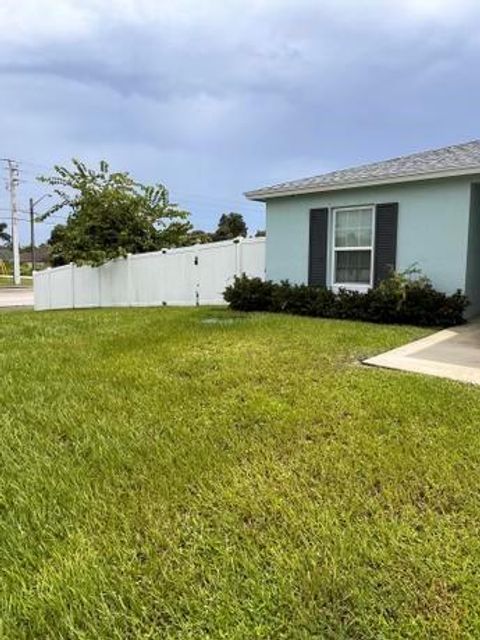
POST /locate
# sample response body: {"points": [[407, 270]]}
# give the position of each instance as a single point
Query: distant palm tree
{"points": [[4, 236]]}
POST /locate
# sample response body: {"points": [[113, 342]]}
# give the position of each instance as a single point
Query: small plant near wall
{"points": [[402, 298]]}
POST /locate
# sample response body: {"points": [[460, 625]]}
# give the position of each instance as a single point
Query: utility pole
{"points": [[13, 182], [32, 226], [32, 233]]}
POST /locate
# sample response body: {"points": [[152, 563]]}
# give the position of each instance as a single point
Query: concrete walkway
{"points": [[16, 297], [452, 353]]}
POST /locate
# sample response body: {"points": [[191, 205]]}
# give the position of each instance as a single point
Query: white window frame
{"points": [[354, 286]]}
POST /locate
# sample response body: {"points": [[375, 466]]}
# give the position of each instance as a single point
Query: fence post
{"points": [[238, 256], [33, 285], [72, 271], [100, 292], [196, 258], [49, 281], [129, 281]]}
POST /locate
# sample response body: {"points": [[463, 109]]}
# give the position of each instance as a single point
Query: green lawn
{"points": [[7, 281], [165, 475]]}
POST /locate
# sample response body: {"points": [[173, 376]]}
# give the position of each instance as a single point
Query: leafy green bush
{"points": [[402, 298], [250, 294], [26, 269]]}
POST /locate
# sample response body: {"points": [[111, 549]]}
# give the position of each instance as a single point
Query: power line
{"points": [[227, 204], [36, 164], [223, 200]]}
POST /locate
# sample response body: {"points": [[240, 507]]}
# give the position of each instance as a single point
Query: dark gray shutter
{"points": [[317, 261], [386, 221]]}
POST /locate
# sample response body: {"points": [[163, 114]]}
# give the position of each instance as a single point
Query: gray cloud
{"points": [[214, 99]]}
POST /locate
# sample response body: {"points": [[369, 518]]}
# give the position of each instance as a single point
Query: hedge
{"points": [[397, 300]]}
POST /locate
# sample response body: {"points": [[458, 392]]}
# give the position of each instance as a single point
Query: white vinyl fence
{"points": [[186, 276]]}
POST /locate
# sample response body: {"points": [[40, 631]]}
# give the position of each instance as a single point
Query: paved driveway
{"points": [[452, 353], [16, 297]]}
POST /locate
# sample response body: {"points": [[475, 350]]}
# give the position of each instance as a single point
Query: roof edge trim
{"points": [[268, 193]]}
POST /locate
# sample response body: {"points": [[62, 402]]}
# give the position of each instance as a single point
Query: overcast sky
{"points": [[216, 97]]}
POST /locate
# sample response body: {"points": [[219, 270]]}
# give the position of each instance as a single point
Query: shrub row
{"points": [[397, 300]]}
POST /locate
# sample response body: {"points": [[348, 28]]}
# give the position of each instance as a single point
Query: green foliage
{"points": [[195, 236], [399, 299], [109, 215], [250, 294], [231, 225], [165, 477], [4, 235]]}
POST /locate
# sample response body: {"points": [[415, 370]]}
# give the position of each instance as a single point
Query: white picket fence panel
{"points": [[186, 276]]}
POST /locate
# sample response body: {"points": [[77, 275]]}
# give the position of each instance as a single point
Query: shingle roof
{"points": [[459, 159]]}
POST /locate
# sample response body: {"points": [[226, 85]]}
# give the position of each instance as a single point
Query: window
{"points": [[353, 246]]}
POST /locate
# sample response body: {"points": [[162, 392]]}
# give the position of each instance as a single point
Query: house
{"points": [[349, 228], [42, 255]]}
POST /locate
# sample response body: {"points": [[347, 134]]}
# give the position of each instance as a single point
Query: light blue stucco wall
{"points": [[433, 228]]}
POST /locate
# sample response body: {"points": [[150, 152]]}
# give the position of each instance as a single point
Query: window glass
{"points": [[353, 267], [353, 245], [353, 228]]}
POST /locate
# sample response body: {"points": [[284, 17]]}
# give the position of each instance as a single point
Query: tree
{"points": [[231, 225], [260, 233], [58, 245], [189, 236], [109, 215], [197, 236], [4, 236]]}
